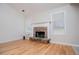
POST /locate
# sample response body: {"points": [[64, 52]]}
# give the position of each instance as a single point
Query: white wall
{"points": [[71, 24], [28, 27], [71, 19], [71, 36], [11, 24]]}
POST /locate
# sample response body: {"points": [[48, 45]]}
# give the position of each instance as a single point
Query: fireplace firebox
{"points": [[40, 34]]}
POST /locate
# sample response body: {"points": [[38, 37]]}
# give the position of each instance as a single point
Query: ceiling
{"points": [[34, 8]]}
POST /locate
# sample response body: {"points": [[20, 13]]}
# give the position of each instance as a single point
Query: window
{"points": [[58, 25]]}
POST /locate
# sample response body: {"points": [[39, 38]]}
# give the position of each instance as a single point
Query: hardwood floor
{"points": [[27, 47]]}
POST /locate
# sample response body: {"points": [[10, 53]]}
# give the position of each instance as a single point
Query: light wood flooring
{"points": [[27, 47]]}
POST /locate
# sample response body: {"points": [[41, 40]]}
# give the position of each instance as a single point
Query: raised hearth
{"points": [[43, 40]]}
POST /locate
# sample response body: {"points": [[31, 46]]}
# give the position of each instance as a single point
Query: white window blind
{"points": [[58, 23]]}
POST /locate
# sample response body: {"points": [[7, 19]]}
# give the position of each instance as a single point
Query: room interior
{"points": [[39, 29]]}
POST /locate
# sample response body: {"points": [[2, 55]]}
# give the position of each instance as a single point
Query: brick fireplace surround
{"points": [[40, 29]]}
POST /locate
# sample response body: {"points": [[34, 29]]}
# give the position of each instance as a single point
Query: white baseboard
{"points": [[69, 44], [8, 41]]}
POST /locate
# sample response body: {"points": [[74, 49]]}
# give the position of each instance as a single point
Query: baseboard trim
{"points": [[69, 44], [2, 42]]}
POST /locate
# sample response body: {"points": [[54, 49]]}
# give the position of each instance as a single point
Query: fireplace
{"points": [[40, 34]]}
